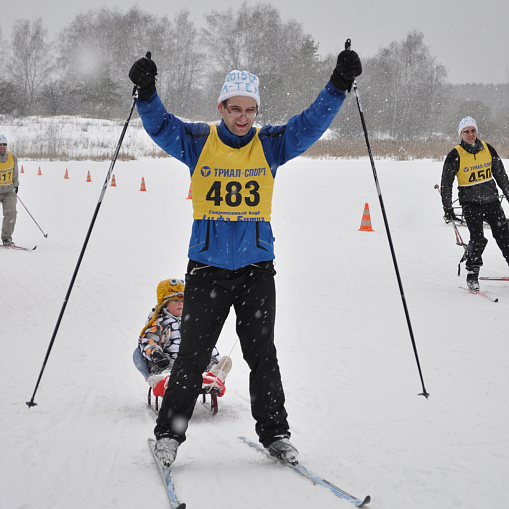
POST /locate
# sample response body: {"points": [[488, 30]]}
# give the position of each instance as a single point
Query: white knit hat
{"points": [[240, 83], [466, 122], [3, 138]]}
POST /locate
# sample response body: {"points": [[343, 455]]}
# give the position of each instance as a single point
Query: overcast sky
{"points": [[469, 37]]}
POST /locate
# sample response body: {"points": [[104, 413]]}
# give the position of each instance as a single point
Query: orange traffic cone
{"points": [[22, 170], [39, 172], [366, 221], [142, 188], [66, 176], [88, 177], [190, 193], [113, 183]]}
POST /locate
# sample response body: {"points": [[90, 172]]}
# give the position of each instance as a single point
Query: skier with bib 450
{"points": [[478, 169], [231, 252]]}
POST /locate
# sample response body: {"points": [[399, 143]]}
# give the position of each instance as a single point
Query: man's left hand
{"points": [[347, 69]]}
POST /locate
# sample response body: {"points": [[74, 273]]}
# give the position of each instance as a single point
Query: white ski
{"points": [[315, 479], [166, 477]]}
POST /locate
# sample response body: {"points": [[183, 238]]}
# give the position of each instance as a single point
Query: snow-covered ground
{"points": [[65, 137], [348, 366]]}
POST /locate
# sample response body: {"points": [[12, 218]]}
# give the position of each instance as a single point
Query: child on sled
{"points": [[159, 343]]}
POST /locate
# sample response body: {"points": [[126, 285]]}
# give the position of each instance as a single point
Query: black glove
{"points": [[160, 359], [347, 69], [16, 190], [143, 74], [449, 215]]}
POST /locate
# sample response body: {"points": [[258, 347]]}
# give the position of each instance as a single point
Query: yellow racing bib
{"points": [[7, 171], [232, 184], [474, 169]]}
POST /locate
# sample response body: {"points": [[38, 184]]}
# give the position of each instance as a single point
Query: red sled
{"points": [[212, 386], [212, 405]]}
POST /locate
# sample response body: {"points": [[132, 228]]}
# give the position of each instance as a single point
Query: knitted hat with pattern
{"points": [[170, 289], [240, 83], [167, 290], [466, 122]]}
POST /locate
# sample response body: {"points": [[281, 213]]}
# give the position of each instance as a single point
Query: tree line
{"points": [[83, 72]]}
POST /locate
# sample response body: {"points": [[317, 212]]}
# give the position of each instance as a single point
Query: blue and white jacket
{"points": [[235, 244]]}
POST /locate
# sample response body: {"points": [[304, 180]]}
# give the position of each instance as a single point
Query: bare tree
{"points": [[31, 62], [180, 74], [98, 48], [405, 88], [254, 38]]}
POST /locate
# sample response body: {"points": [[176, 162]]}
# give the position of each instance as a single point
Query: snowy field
{"points": [[348, 366]]}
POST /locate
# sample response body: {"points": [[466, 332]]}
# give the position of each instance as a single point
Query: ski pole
{"points": [[386, 222], [45, 234], [459, 240], [31, 403]]}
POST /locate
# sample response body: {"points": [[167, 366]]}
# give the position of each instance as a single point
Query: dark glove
{"points": [[160, 359], [347, 69], [449, 215], [16, 190], [143, 74]]}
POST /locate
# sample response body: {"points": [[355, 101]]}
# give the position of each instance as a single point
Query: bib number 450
{"points": [[234, 195], [480, 175]]}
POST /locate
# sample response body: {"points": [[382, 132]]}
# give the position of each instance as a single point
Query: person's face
{"points": [[469, 135], [234, 114], [175, 307], [3, 148]]}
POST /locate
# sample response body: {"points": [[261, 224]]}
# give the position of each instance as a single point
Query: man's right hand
{"points": [[143, 74], [449, 215]]}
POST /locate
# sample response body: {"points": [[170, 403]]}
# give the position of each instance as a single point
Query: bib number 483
{"points": [[235, 194]]}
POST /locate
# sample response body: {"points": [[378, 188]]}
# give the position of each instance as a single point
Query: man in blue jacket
{"points": [[231, 252]]}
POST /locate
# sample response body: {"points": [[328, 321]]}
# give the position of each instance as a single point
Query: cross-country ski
{"points": [[314, 478], [480, 294], [20, 248], [166, 478]]}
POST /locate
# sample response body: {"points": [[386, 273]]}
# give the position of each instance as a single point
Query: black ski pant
{"points": [[209, 295], [493, 214]]}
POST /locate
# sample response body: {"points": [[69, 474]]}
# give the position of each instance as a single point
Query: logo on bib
{"points": [[205, 171]]}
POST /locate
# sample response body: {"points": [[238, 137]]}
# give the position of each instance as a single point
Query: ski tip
{"points": [[182, 506], [366, 501]]}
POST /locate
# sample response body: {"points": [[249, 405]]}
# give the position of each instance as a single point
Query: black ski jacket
{"points": [[485, 192]]}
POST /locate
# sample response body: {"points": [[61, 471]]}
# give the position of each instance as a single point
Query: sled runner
{"points": [[211, 405]]}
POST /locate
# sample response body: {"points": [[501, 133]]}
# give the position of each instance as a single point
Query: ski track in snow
{"points": [[348, 366]]}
